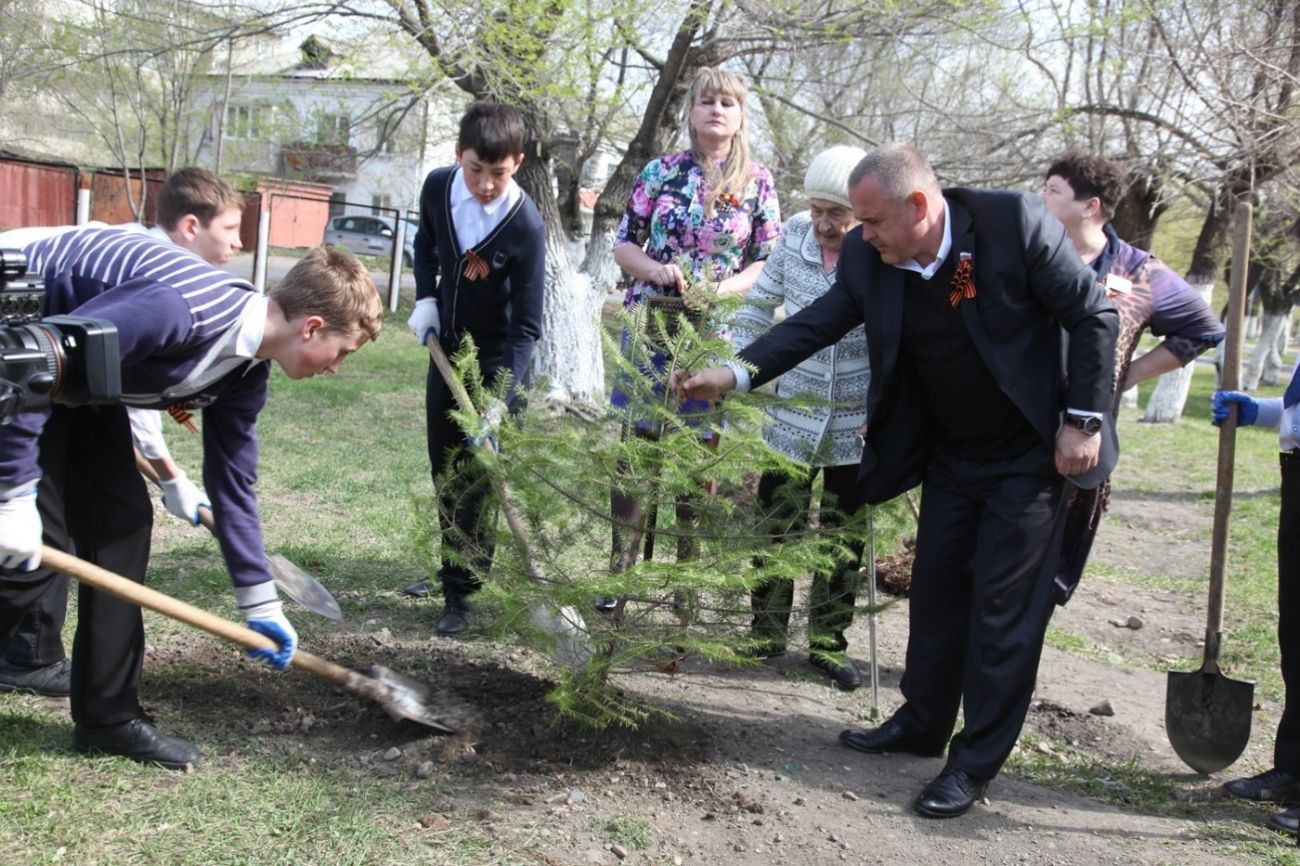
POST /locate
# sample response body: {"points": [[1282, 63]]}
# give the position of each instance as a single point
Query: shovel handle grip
{"points": [[138, 594]]}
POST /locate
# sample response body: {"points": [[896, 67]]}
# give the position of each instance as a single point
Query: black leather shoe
{"points": [[606, 604], [419, 589], [138, 740], [1288, 820], [952, 793], [845, 676], [1274, 786], [53, 681], [455, 618], [890, 737]]}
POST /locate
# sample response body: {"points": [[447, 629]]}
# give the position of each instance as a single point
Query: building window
{"points": [[386, 132], [246, 122], [381, 201], [333, 129]]}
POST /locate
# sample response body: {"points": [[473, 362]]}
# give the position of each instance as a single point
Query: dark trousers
{"points": [[461, 486], [786, 502], [38, 641], [1286, 746], [93, 503], [987, 546]]}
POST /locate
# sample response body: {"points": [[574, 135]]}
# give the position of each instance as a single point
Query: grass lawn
{"points": [[344, 470]]}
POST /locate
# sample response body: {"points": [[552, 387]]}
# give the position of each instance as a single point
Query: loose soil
{"points": [[748, 770]]}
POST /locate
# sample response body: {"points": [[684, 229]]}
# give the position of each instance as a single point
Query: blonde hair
{"points": [[736, 169], [331, 283]]}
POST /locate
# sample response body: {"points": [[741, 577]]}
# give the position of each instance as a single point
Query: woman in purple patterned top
{"points": [[708, 213]]}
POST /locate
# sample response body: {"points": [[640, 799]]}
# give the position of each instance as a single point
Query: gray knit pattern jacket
{"points": [[824, 433]]}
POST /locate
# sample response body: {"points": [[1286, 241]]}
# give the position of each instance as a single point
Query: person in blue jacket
{"points": [[480, 269]]}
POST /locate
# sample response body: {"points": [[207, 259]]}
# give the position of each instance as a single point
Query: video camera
{"points": [[71, 360]]}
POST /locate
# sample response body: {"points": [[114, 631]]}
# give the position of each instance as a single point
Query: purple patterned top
{"points": [[665, 217]]}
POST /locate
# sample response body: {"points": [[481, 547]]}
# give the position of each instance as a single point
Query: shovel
{"points": [[1207, 715], [295, 583], [400, 696]]}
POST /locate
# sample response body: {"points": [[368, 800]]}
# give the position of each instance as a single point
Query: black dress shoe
{"points": [[952, 793], [53, 681], [138, 740], [1274, 786], [890, 737], [845, 676], [454, 619], [419, 589], [1288, 820]]}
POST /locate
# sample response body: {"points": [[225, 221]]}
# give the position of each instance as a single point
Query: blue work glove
{"points": [[424, 320], [183, 498], [264, 614], [1247, 407]]}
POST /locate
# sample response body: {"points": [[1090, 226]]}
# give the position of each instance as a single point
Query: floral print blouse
{"points": [[665, 217]]}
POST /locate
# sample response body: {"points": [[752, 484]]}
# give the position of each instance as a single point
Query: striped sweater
{"points": [[188, 334]]}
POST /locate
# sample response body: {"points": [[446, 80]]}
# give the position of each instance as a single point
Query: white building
{"points": [[305, 110]]}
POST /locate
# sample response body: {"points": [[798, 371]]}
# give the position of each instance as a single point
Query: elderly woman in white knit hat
{"points": [[825, 436]]}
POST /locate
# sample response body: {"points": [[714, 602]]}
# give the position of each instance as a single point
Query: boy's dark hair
{"points": [[1090, 175], [492, 130], [194, 191]]}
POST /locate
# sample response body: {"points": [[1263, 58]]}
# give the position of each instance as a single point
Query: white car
{"points": [[369, 235]]}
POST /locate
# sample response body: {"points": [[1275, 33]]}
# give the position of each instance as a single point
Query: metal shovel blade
{"points": [[1207, 718], [411, 699], [302, 588]]}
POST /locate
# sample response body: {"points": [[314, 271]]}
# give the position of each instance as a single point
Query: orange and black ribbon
{"points": [[475, 267], [181, 414], [963, 283]]}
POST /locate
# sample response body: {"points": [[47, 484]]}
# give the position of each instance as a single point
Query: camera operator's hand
{"points": [[424, 320], [183, 498], [20, 529]]}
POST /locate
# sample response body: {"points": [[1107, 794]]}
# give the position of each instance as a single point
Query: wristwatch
{"points": [[1089, 425]]}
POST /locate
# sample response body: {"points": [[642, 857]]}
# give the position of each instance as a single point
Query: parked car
{"points": [[369, 235]]}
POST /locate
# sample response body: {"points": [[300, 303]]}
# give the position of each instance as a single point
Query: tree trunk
{"points": [[1264, 362], [568, 357], [1166, 403], [1137, 213], [659, 124]]}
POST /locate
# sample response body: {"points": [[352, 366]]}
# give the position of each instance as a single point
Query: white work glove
{"points": [[267, 618], [20, 529], [424, 320], [182, 497]]}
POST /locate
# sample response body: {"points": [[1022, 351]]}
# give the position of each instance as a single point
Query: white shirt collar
{"points": [[945, 247], [252, 326], [460, 193]]}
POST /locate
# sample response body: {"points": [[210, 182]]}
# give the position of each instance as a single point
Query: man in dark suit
{"points": [[991, 351]]}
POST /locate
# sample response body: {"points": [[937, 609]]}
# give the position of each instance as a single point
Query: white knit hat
{"points": [[828, 174]]}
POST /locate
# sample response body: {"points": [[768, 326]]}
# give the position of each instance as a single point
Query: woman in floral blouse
{"points": [[709, 212]]}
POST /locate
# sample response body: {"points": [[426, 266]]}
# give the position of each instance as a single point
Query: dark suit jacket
{"points": [[1039, 319]]}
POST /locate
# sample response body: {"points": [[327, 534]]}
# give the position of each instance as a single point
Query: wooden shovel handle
{"points": [[508, 507], [141, 595], [146, 469], [1231, 380]]}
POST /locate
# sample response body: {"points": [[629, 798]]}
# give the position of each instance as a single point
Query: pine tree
{"points": [[712, 544]]}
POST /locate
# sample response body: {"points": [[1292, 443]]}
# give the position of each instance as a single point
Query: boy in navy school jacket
{"points": [[480, 266]]}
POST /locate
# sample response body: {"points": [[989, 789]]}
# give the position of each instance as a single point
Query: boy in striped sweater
{"points": [[192, 339]]}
